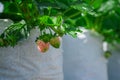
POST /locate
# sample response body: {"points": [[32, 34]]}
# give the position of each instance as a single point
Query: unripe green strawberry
{"points": [[42, 46], [55, 42], [1, 42], [107, 54]]}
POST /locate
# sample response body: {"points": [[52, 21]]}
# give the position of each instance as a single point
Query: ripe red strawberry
{"points": [[55, 42], [42, 46]]}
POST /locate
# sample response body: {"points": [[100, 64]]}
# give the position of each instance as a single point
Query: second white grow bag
{"points": [[114, 63], [83, 57]]}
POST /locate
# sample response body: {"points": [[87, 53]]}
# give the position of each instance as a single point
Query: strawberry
{"points": [[1, 42], [107, 54], [42, 46], [55, 42]]}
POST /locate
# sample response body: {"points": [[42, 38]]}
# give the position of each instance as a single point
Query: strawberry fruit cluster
{"points": [[44, 46]]}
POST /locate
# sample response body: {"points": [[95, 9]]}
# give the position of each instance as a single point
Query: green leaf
{"points": [[68, 2], [10, 7], [96, 3], [46, 20], [73, 34], [59, 20], [84, 8], [80, 22], [61, 5], [107, 6]]}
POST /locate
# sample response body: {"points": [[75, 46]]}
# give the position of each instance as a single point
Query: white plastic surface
{"points": [[25, 62], [83, 57]]}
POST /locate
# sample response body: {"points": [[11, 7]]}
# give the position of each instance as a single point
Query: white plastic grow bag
{"points": [[25, 62], [83, 57], [114, 63]]}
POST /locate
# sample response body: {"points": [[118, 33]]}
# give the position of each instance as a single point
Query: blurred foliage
{"points": [[107, 54], [62, 17]]}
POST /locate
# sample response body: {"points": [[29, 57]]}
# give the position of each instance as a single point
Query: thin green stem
{"points": [[87, 22], [74, 14], [67, 10], [54, 29]]}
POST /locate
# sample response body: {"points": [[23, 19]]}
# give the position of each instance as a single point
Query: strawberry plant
{"points": [[59, 17]]}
